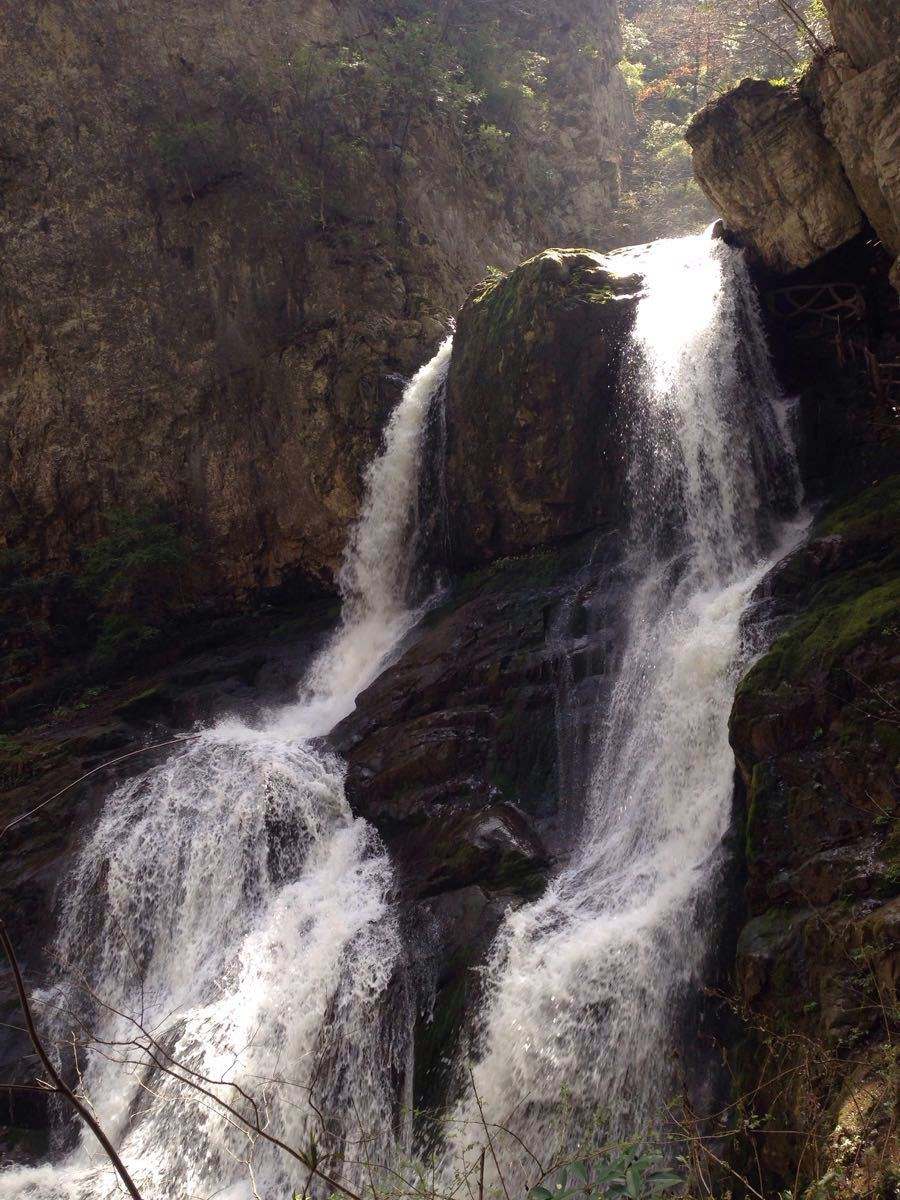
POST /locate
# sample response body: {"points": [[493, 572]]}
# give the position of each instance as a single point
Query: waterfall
{"points": [[585, 988], [230, 915]]}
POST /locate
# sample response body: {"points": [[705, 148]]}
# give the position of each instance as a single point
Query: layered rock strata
{"points": [[798, 170]]}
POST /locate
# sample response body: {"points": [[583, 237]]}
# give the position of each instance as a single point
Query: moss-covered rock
{"points": [[816, 732], [533, 421]]}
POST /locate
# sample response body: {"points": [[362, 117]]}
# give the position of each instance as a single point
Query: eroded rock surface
{"points": [[868, 30], [465, 755], [797, 171], [217, 254], [762, 157]]}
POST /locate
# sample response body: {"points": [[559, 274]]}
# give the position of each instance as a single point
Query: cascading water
{"points": [[230, 908], [229, 905], [586, 986]]}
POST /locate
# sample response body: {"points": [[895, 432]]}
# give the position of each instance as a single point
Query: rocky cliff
{"points": [[798, 170], [227, 229], [815, 732], [806, 176]]}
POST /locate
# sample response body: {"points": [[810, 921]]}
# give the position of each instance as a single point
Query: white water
{"points": [[229, 901], [230, 905], [586, 986]]}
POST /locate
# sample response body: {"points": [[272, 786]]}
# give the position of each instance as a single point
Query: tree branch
{"points": [[58, 1083]]}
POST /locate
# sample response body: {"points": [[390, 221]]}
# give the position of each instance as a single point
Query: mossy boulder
{"points": [[534, 422]]}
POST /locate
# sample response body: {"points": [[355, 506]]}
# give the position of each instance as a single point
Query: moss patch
{"points": [[856, 604]]}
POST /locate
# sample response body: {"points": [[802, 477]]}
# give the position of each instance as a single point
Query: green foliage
{"points": [[677, 54], [142, 559], [629, 1171], [135, 575], [493, 147], [123, 637]]}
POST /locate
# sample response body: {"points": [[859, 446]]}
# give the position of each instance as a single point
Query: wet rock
{"points": [[453, 752], [468, 755], [815, 735], [534, 419]]}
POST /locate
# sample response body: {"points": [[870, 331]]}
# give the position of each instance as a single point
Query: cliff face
{"points": [[798, 171], [815, 734], [762, 157], [226, 227]]}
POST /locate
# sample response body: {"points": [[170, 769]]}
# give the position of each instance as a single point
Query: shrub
{"points": [[136, 576], [628, 1171], [141, 560]]}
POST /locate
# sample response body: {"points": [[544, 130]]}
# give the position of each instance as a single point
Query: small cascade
{"points": [[579, 1034], [229, 920]]}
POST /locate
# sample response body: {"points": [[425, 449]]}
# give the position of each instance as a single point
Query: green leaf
{"points": [[633, 1181], [580, 1171], [664, 1179]]}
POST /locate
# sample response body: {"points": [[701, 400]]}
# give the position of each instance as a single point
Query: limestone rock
{"points": [[868, 30], [762, 158], [861, 116], [533, 427], [796, 172]]}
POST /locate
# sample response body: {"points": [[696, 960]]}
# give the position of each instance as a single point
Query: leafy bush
{"points": [[123, 637], [135, 574], [629, 1171], [141, 561]]}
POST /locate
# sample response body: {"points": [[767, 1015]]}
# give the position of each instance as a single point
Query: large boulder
{"points": [[466, 755], [797, 171], [762, 158], [533, 423]]}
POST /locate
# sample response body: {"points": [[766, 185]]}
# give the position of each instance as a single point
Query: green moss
{"points": [[829, 632], [877, 507], [857, 604]]}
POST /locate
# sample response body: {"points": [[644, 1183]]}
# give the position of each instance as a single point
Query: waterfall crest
{"points": [[579, 1030], [229, 907]]}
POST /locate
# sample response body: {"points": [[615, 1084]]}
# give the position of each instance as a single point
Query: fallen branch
{"points": [[57, 1083]]}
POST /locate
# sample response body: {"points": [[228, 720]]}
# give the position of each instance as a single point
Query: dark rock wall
{"points": [[465, 756], [193, 314], [817, 741]]}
